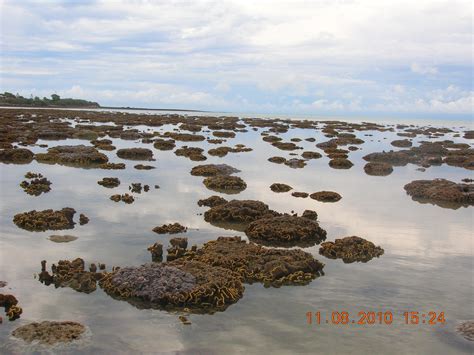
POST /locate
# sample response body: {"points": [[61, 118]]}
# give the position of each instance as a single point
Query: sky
{"points": [[322, 57]]}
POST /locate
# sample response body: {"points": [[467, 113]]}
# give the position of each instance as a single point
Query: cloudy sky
{"points": [[322, 57]]}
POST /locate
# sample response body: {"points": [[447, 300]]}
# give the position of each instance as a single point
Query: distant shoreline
{"points": [[102, 107]]}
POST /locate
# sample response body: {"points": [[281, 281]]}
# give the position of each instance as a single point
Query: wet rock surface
{"points": [[223, 151], [279, 187], [73, 155], [300, 194], [351, 249], [10, 305], [285, 231], [225, 183], [135, 153], [144, 167], [50, 333], [172, 228], [164, 144], [36, 184], [340, 163], [213, 170], [441, 192], [45, 220], [193, 153], [326, 196]]}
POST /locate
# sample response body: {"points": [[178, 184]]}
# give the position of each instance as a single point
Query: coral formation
{"points": [[285, 231], [213, 170], [135, 153], [49, 333], [125, 198], [10, 305], [73, 155], [378, 169], [109, 182], [351, 249], [212, 201], [172, 228], [225, 183], [45, 220], [37, 185], [193, 153], [326, 196], [441, 192], [279, 187], [16, 156]]}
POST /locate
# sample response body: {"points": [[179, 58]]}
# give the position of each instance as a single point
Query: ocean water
{"points": [[427, 265]]}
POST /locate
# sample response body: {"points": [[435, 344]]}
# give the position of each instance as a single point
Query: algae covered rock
{"points": [[285, 231], [351, 249], [45, 220], [109, 182], [225, 183], [36, 185], [212, 201], [50, 333]]}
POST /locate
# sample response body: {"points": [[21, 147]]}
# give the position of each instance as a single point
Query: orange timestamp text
{"points": [[372, 317]]}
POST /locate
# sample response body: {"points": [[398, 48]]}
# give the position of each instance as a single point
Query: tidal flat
{"points": [[200, 233]]}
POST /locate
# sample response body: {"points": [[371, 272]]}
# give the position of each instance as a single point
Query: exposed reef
{"points": [[326, 196], [225, 183], [128, 199], [193, 153], [378, 169], [135, 153], [212, 201], [213, 170], [109, 182], [279, 187], [171, 228], [40, 221], [351, 249], [285, 231], [36, 185], [73, 155], [16, 156], [441, 192]]}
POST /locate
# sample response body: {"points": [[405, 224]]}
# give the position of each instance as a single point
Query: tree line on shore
{"points": [[9, 99]]}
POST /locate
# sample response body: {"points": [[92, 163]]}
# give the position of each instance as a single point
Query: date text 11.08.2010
{"points": [[371, 318]]}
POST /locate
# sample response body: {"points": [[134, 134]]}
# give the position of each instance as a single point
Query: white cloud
{"points": [[423, 69]]}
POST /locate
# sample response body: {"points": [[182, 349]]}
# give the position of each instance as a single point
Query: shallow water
{"points": [[427, 265]]}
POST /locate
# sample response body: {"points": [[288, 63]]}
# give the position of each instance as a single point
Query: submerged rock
{"points": [[295, 163], [172, 228], [213, 170], [45, 220], [50, 333], [351, 249], [441, 192], [378, 169], [326, 196], [279, 187], [285, 231], [135, 153], [466, 329], [225, 183], [62, 238]]}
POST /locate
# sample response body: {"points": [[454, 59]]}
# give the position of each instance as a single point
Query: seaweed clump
{"points": [[351, 249], [37, 185], [272, 267], [326, 196], [441, 192], [179, 284], [286, 231], [225, 183], [45, 220], [172, 228], [50, 333]]}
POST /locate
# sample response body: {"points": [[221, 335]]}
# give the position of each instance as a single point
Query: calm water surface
{"points": [[427, 265]]}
